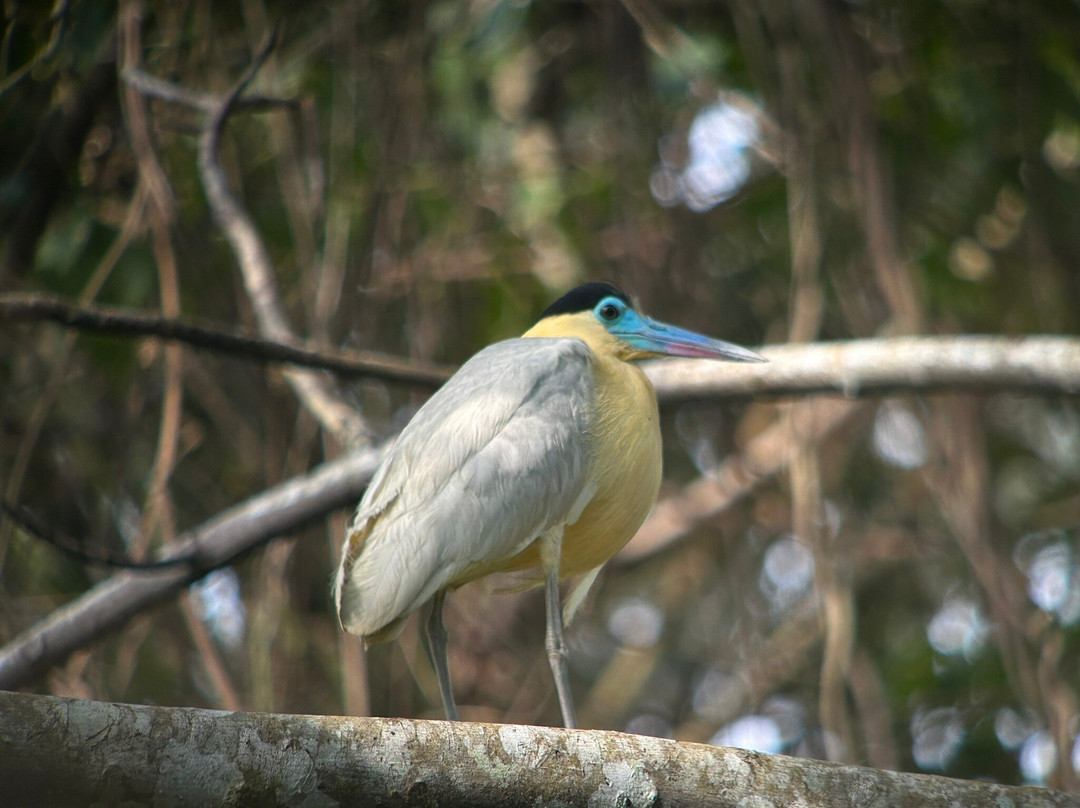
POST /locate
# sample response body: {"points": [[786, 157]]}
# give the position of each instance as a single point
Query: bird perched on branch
{"points": [[541, 453]]}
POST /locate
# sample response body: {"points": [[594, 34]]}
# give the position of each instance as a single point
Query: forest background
{"points": [[892, 581]]}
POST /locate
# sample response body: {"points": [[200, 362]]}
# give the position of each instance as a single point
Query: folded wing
{"points": [[494, 459]]}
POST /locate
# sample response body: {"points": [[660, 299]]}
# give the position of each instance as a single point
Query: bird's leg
{"points": [[436, 645], [551, 556]]}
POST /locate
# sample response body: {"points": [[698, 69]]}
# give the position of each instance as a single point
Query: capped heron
{"points": [[540, 453]]}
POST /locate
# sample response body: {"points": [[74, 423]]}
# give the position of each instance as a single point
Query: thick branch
{"points": [[57, 751], [121, 322], [278, 511]]}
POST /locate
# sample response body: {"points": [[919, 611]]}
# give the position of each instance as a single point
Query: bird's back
{"points": [[494, 459]]}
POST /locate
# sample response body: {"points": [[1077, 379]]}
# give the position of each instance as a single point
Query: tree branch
{"points": [[1036, 364], [874, 367], [1045, 365], [56, 751], [153, 87], [218, 541], [121, 322], [256, 269]]}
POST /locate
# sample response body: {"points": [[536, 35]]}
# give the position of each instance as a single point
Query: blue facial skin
{"points": [[652, 336]]}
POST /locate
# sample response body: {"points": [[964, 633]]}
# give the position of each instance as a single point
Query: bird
{"points": [[541, 454]]}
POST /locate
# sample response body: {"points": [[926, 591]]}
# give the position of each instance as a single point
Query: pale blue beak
{"points": [[651, 335]]}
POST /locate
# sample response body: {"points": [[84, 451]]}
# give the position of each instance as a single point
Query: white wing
{"points": [[494, 459]]}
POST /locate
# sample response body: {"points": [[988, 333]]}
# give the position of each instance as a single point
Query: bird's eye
{"points": [[609, 312]]}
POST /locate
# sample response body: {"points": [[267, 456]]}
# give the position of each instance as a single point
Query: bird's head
{"points": [[603, 316]]}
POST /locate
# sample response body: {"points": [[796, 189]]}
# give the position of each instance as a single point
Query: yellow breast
{"points": [[625, 468], [626, 464]]}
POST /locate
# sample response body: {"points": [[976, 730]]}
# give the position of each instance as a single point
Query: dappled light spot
{"points": [[936, 735], [968, 260], [636, 622], [758, 733], [217, 598], [717, 166], [1013, 727], [787, 571], [1053, 572], [899, 437], [958, 628], [717, 694], [1038, 757], [789, 714]]}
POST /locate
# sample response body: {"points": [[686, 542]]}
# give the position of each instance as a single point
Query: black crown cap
{"points": [[584, 298]]}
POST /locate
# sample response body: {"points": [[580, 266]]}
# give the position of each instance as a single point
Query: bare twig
{"points": [[57, 25], [255, 267], [153, 87], [162, 211], [130, 322], [29, 522]]}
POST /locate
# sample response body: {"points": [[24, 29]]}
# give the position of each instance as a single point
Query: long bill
{"points": [[660, 338]]}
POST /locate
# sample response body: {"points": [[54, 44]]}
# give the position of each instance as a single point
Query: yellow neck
{"points": [[585, 327]]}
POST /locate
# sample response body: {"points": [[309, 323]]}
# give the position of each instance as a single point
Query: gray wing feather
{"points": [[494, 459]]}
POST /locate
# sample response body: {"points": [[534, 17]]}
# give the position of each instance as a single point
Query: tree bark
{"points": [[64, 752]]}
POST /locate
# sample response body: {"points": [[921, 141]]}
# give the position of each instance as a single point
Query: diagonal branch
{"points": [[278, 511]]}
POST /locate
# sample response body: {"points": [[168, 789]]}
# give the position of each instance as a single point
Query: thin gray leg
{"points": [[556, 648], [436, 645]]}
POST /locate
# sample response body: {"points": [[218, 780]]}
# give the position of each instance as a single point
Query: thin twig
{"points": [[122, 322], [256, 270], [28, 521], [162, 211], [58, 23], [154, 87], [1047, 365]]}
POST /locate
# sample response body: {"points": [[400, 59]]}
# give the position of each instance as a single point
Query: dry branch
{"points": [[1046, 365], [1040, 364], [57, 751], [278, 511], [153, 87], [1036, 364], [120, 322], [256, 269]]}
